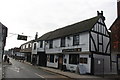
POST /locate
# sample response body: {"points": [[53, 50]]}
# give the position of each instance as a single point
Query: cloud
{"points": [[31, 16]]}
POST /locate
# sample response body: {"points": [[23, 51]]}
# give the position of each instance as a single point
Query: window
{"points": [[83, 60], [25, 46], [63, 42], [73, 58], [34, 46], [76, 40], [65, 60], [41, 44], [48, 58], [56, 60], [52, 58], [29, 45], [51, 44]]}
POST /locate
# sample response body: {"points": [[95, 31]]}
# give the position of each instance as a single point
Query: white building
{"points": [[85, 44], [38, 50]]}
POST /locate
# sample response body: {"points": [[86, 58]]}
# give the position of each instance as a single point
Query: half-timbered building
{"points": [[85, 45]]}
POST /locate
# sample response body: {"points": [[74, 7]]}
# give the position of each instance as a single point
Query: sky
{"points": [[30, 16]]}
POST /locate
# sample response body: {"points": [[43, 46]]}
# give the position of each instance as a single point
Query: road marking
{"points": [[39, 75]]}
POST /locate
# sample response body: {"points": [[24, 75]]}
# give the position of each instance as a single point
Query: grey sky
{"points": [[31, 16]]}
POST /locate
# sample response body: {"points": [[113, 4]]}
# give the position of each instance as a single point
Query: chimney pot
{"points": [[100, 14]]}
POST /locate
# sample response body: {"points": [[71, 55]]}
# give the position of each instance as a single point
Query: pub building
{"points": [[84, 45]]}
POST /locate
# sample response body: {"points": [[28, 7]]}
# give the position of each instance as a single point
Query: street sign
{"points": [[22, 37]]}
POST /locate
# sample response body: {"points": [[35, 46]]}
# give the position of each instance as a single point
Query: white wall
{"points": [[55, 64], [88, 65], [106, 40], [72, 67], [41, 49], [84, 44], [34, 51], [105, 43]]}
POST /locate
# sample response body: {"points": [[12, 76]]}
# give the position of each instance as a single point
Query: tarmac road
{"points": [[23, 71]]}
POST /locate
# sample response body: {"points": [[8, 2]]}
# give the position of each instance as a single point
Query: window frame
{"points": [[74, 59], [35, 46], [63, 42], [76, 39], [52, 56], [83, 60], [41, 44], [51, 44]]}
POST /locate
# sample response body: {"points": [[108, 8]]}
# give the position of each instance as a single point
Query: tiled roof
{"points": [[79, 27]]}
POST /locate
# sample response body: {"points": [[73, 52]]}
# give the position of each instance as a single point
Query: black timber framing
{"points": [[107, 47], [91, 39]]}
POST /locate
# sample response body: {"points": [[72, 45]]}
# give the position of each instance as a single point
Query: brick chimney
{"points": [[118, 8]]}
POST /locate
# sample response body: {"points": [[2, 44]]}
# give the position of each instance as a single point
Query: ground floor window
{"points": [[73, 58], [52, 58], [83, 60]]}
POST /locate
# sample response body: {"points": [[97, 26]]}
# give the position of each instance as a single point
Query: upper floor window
{"points": [[63, 42], [29, 45], [51, 44], [34, 46], [41, 44], [25, 46], [76, 40]]}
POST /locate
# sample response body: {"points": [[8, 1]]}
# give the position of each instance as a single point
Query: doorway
{"points": [[60, 61]]}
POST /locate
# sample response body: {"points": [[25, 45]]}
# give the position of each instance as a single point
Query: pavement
{"points": [[6, 63], [68, 73], [74, 75]]}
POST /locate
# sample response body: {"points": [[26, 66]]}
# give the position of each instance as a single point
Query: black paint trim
{"points": [[92, 64], [93, 42], [100, 53], [100, 33], [107, 46]]}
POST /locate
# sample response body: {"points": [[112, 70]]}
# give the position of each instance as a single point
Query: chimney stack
{"points": [[36, 36], [100, 14], [118, 8]]}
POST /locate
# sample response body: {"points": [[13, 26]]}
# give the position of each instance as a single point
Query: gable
{"points": [[100, 27]]}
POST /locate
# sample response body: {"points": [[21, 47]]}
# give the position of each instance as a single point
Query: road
{"points": [[23, 70]]}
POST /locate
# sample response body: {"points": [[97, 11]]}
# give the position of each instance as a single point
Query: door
{"points": [[98, 66], [60, 61]]}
